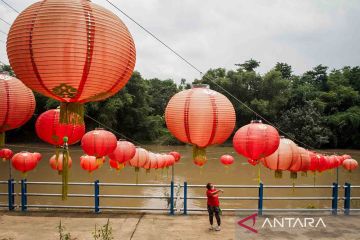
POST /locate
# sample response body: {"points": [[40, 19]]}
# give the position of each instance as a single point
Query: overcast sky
{"points": [[213, 33]]}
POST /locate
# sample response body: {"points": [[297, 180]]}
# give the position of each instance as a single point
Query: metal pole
{"points": [[260, 201], [172, 172], [334, 203], [10, 175], [185, 197], [347, 198], [23, 195], [11, 194], [96, 196], [172, 198], [337, 175]]}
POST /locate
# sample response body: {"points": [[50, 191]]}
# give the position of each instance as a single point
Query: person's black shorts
{"points": [[213, 209]]}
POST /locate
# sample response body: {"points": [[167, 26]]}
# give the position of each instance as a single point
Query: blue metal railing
{"points": [[24, 194]]}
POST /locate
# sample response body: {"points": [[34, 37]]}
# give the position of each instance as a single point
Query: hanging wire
{"points": [[5, 21], [12, 8]]}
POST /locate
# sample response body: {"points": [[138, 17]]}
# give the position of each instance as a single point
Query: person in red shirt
{"points": [[213, 205]]}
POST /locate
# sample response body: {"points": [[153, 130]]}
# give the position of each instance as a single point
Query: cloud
{"points": [[216, 33]]}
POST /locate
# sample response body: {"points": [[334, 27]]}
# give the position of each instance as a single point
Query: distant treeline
{"points": [[320, 107]]}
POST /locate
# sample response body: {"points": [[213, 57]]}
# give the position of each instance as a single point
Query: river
{"points": [[239, 173]]}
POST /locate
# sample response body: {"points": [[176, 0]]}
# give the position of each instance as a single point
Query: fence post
{"points": [[334, 202], [96, 196], [347, 198], [185, 198], [260, 200], [11, 196], [172, 198], [23, 195]]}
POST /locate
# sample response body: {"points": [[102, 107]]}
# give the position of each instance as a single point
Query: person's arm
{"points": [[216, 192]]}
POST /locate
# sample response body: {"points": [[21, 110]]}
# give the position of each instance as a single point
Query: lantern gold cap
{"points": [[201, 86]]}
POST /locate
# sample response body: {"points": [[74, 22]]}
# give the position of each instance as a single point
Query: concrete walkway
{"points": [[43, 225]]}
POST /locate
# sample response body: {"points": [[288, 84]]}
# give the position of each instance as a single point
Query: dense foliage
{"points": [[320, 107]]}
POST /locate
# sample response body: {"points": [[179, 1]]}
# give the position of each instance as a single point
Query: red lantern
{"points": [[116, 165], [350, 164], [323, 163], [170, 160], [37, 156], [50, 130], [314, 161], [201, 117], [283, 157], [57, 164], [176, 155], [6, 154], [89, 163], [161, 161], [98, 143], [301, 163], [24, 162], [256, 140], [345, 156], [73, 51], [227, 160], [140, 158], [123, 152], [199, 161], [17, 104]]}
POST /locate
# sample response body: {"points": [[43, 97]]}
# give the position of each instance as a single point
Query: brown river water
{"points": [[240, 173]]}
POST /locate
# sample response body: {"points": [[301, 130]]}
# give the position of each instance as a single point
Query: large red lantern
{"points": [[99, 143], [17, 104], [73, 51], [6, 154], [301, 163], [24, 162], [89, 163], [201, 117], [56, 162], [123, 152], [350, 164], [227, 160], [50, 130], [283, 157], [256, 140]]}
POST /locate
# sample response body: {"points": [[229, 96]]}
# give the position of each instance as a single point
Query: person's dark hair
{"points": [[208, 186]]}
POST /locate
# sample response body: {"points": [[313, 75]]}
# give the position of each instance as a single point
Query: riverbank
{"points": [[43, 225]]}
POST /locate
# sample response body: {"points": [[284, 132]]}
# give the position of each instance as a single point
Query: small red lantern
{"points": [[24, 162], [50, 130], [256, 140], [123, 152], [17, 104], [170, 160], [116, 165], [323, 163], [176, 155], [283, 157], [140, 159], [57, 163], [6, 154], [89, 163], [152, 163], [227, 160], [161, 161], [301, 163], [350, 164], [314, 161], [98, 143]]}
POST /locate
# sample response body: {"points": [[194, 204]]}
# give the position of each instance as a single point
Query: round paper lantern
{"points": [[140, 158], [161, 161], [314, 161], [98, 143], [350, 164], [152, 162], [37, 156], [283, 157], [170, 160], [227, 160], [57, 164], [24, 162], [89, 163], [323, 163], [6, 154], [346, 156], [17, 104], [123, 152], [301, 163], [50, 130], [201, 117], [176, 155], [116, 165], [73, 51], [256, 140]]}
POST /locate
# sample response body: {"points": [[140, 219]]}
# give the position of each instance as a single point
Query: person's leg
{"points": [[211, 215], [217, 216]]}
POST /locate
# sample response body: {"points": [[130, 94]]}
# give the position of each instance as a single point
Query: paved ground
{"points": [[42, 225]]}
